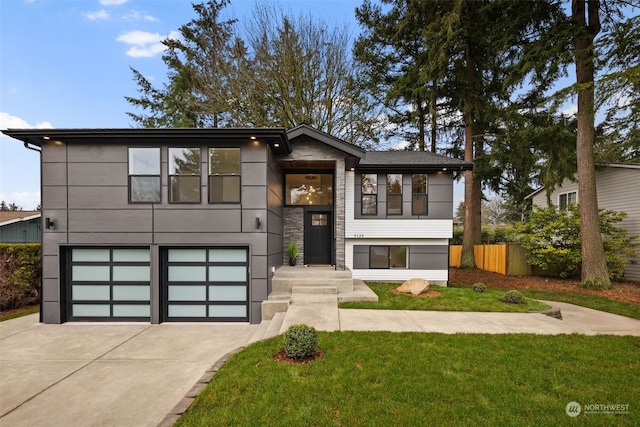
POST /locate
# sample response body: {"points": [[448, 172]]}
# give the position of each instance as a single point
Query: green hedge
{"points": [[20, 275]]}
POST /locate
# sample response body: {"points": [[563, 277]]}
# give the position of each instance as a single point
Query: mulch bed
{"points": [[281, 356], [625, 291]]}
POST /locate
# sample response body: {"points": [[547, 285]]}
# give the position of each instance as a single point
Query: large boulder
{"points": [[414, 286]]}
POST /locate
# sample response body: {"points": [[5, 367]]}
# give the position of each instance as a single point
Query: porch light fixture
{"points": [[276, 145], [50, 224], [46, 138], [257, 223]]}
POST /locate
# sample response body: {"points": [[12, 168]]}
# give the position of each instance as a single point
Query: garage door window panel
{"points": [[207, 284], [109, 283]]}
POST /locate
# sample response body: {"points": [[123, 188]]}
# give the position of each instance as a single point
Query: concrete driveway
{"points": [[105, 374]]}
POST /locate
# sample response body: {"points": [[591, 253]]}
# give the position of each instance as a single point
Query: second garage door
{"points": [[206, 284]]}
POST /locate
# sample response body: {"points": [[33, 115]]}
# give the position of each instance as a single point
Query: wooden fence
{"points": [[507, 259]]}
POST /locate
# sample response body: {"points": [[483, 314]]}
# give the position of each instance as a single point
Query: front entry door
{"points": [[317, 237]]}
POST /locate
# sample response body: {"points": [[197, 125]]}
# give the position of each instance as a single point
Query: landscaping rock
{"points": [[414, 286]]}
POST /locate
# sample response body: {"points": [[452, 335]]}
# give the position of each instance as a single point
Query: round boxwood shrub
{"points": [[300, 341], [512, 297], [479, 287]]}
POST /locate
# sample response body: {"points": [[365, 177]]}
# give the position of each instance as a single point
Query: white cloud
{"points": [[98, 15], [28, 200], [112, 2], [144, 44], [8, 121], [136, 15], [570, 111]]}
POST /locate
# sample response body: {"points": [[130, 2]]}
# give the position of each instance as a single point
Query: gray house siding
{"points": [[618, 189], [421, 257], [439, 197], [87, 197]]}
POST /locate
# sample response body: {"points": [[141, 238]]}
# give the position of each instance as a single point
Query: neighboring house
{"points": [[618, 189], [191, 224], [20, 227]]}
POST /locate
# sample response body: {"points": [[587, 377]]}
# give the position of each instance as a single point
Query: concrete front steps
{"points": [[310, 295]]}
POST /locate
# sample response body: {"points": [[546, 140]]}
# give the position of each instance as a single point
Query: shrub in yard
{"points": [[512, 297], [20, 271], [552, 240], [300, 341], [479, 287]]}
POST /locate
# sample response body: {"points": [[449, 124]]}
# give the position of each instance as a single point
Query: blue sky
{"points": [[65, 64]]}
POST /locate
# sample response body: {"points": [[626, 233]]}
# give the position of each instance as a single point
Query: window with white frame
{"points": [[566, 198]]}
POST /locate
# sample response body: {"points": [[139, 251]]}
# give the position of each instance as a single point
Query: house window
{"points": [[388, 257], [303, 189], [224, 175], [144, 175], [184, 175], [369, 197], [394, 194], [567, 198], [419, 184]]}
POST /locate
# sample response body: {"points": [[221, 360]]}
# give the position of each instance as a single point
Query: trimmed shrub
{"points": [[512, 297], [300, 341], [20, 273], [479, 287]]}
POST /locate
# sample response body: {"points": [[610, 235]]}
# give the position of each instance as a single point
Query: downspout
{"points": [[26, 145]]}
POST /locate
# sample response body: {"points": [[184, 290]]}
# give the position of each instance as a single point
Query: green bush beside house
{"points": [[20, 275]]}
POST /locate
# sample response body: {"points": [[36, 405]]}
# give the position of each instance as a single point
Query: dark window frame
{"points": [[134, 175], [177, 176], [422, 197], [388, 257], [364, 195], [395, 196], [213, 176], [307, 172]]}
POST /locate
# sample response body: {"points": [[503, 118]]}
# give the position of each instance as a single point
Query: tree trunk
{"points": [[469, 238], [434, 116], [594, 267], [421, 126]]}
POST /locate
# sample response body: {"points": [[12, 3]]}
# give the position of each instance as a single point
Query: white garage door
{"points": [[108, 284], [206, 284]]}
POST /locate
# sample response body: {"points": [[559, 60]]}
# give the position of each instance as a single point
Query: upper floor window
{"points": [[394, 194], [224, 175], [144, 175], [419, 185], [309, 189], [184, 175], [369, 196], [565, 199]]}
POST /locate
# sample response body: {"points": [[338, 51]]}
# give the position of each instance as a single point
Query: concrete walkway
{"points": [[580, 320], [108, 374]]}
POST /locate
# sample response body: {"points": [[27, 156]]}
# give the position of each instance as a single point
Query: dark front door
{"points": [[317, 237]]}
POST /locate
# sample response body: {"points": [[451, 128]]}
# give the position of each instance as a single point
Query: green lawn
{"points": [[452, 299], [407, 379], [19, 313], [585, 300]]}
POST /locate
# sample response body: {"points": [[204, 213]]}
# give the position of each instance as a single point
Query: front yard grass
{"points": [[383, 378], [452, 299], [12, 314], [590, 301]]}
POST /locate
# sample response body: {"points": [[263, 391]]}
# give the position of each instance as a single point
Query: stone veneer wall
{"points": [[308, 149]]}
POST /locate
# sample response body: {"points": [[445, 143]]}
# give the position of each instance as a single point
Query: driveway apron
{"points": [[87, 374]]}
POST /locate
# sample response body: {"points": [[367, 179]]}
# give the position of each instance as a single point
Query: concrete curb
{"points": [[172, 417]]}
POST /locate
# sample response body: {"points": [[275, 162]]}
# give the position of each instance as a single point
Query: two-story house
{"points": [[162, 225]]}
